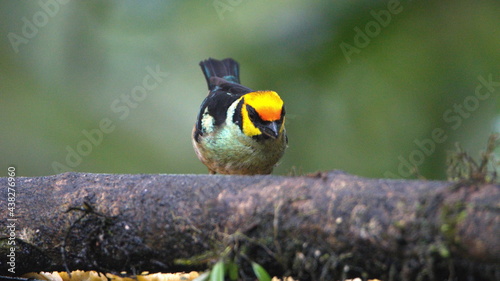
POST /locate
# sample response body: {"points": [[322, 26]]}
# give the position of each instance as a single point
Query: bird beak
{"points": [[271, 129]]}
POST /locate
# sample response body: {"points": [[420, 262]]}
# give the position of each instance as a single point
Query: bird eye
{"points": [[282, 112], [252, 114]]}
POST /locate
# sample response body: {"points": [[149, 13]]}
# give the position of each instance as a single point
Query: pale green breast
{"points": [[228, 149]]}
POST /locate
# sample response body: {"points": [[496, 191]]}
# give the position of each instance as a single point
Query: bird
{"points": [[238, 131]]}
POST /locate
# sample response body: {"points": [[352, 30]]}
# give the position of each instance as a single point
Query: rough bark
{"points": [[318, 227]]}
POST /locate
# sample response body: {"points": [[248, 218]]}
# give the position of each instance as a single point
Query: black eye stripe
{"points": [[252, 114]]}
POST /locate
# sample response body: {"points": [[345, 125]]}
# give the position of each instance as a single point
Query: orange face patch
{"points": [[268, 104]]}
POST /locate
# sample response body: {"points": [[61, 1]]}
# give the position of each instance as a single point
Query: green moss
{"points": [[464, 169], [452, 215]]}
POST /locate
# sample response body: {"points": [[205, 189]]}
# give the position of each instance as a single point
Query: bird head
{"points": [[263, 114]]}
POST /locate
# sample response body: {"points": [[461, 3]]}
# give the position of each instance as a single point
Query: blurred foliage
{"points": [[391, 103]]}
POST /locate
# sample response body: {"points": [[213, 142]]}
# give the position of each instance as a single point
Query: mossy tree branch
{"points": [[322, 226]]}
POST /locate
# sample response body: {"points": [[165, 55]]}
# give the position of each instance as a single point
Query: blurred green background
{"points": [[373, 88]]}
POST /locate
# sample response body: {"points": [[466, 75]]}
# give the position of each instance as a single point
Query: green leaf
{"points": [[260, 272], [232, 269], [217, 273]]}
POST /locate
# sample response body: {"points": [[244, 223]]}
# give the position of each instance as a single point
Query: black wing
{"points": [[223, 82]]}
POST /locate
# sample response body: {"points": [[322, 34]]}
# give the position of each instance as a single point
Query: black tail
{"points": [[227, 69]]}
